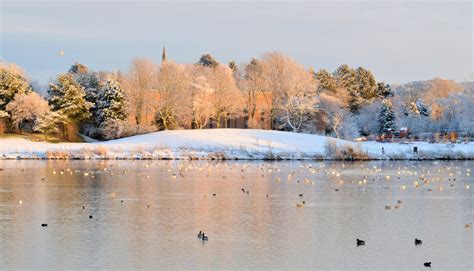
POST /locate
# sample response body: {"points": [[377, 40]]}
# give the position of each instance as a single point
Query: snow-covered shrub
{"points": [[113, 128], [25, 108]]}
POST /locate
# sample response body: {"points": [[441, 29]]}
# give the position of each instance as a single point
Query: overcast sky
{"points": [[399, 41]]}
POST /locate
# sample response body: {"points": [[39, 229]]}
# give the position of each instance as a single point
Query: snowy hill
{"points": [[229, 144]]}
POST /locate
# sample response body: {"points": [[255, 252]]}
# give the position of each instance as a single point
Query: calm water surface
{"points": [[246, 231]]}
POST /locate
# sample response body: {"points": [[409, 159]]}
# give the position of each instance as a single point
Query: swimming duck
{"points": [[418, 242], [200, 234], [360, 242], [427, 264], [44, 225], [204, 238]]}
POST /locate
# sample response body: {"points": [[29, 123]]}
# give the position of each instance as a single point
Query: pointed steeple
{"points": [[163, 55]]}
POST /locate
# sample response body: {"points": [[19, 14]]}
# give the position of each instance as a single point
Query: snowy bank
{"points": [[229, 144]]}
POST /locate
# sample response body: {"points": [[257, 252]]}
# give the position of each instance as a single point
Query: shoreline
{"points": [[232, 144]]}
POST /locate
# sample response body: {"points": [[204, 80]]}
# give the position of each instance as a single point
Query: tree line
{"points": [[345, 103]]}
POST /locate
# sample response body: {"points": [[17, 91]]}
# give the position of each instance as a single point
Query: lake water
{"points": [[146, 214]]}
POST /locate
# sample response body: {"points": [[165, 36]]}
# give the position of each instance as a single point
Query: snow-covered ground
{"points": [[230, 144]]}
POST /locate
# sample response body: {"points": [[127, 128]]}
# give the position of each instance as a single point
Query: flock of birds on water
{"points": [[427, 178]]}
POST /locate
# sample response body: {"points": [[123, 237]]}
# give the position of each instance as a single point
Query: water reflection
{"points": [[146, 214]]}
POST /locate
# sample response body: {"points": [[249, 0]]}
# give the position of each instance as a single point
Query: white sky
{"points": [[399, 41]]}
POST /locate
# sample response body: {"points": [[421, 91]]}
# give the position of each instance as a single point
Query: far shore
{"points": [[231, 144]]}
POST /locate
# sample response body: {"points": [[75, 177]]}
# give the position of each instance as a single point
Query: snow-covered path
{"points": [[228, 144]]}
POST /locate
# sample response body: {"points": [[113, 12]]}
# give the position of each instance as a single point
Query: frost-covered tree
{"points": [[68, 98], [48, 124], [333, 112], [366, 119], [292, 90], [386, 117], [111, 102], [383, 90], [12, 81], [202, 109], [422, 109], [207, 60], [26, 108]]}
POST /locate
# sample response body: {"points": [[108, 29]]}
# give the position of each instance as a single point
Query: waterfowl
{"points": [[418, 242], [90, 217], [468, 225], [214, 194], [300, 195], [148, 205], [427, 264], [204, 238], [388, 207], [360, 242], [299, 205], [44, 225], [199, 235], [83, 206]]}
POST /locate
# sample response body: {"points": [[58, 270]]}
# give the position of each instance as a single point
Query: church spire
{"points": [[163, 54]]}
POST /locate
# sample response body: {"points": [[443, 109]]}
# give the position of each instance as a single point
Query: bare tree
{"points": [[225, 97], [139, 79], [292, 88], [334, 113], [202, 109], [174, 88], [252, 84]]}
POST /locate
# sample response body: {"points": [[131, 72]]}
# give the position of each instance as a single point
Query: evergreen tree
{"points": [[111, 103], [367, 86], [384, 90], [48, 124], [68, 98], [89, 81], [386, 117], [422, 108], [208, 60], [233, 66], [355, 101], [346, 78], [78, 68], [326, 81]]}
